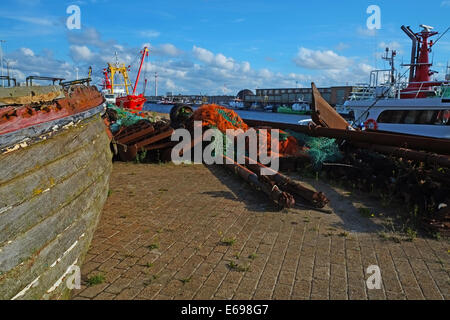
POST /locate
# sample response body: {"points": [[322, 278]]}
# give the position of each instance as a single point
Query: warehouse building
{"points": [[278, 96]]}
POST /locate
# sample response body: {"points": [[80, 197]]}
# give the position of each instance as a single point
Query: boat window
{"points": [[436, 117], [411, 116], [391, 116], [426, 117]]}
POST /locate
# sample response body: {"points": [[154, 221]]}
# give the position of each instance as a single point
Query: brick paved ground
{"points": [[193, 232]]}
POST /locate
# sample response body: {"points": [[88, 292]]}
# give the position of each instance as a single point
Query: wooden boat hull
{"points": [[50, 205]]}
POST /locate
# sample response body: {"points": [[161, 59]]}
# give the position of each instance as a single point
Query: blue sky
{"points": [[215, 47]]}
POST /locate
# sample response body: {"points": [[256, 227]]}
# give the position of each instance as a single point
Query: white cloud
{"points": [[88, 36], [27, 52], [170, 84], [166, 49], [445, 3], [219, 60], [366, 32], [81, 53], [342, 46], [42, 21], [393, 45], [224, 62], [149, 33], [316, 59], [24, 62], [265, 74], [245, 67], [203, 54], [199, 70]]}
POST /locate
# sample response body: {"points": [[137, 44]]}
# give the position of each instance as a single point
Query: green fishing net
{"points": [[321, 149], [124, 118]]}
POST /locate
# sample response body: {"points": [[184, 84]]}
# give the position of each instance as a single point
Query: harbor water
{"points": [[244, 114]]}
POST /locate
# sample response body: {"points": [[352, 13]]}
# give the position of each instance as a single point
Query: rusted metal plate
{"points": [[77, 99], [41, 131], [323, 114]]}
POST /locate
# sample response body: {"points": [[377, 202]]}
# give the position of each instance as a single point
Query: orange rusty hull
{"points": [[80, 99], [131, 102]]}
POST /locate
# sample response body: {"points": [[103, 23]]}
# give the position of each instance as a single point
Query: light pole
{"points": [[156, 84], [1, 60], [7, 71]]}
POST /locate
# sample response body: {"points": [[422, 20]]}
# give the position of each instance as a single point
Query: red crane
{"points": [[106, 82]]}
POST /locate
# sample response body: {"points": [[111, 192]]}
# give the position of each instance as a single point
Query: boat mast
{"points": [[144, 54], [447, 72], [391, 64]]}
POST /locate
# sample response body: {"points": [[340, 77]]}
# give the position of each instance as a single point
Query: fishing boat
{"points": [[236, 104], [300, 107], [108, 93], [418, 106], [134, 102], [344, 111], [55, 163]]}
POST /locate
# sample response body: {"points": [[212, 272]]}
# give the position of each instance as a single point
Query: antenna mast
{"points": [[391, 63]]}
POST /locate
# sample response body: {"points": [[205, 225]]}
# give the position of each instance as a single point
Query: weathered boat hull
{"points": [[49, 208]]}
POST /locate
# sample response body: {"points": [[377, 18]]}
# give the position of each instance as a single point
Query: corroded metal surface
{"points": [[318, 199], [77, 99], [263, 183], [29, 135], [143, 135], [441, 146], [323, 114]]}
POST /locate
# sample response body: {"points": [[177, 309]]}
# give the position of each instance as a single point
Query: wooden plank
{"points": [[68, 141], [25, 187], [153, 139], [18, 219], [50, 219], [43, 231], [40, 264], [134, 136]]}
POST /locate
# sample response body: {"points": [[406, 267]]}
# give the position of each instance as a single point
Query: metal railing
{"points": [[29, 80], [430, 88]]}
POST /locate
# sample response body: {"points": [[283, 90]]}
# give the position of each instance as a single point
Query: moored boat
{"points": [[55, 163], [420, 106], [301, 108]]}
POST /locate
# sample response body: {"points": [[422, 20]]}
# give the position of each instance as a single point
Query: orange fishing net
{"points": [[287, 145], [215, 116]]}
